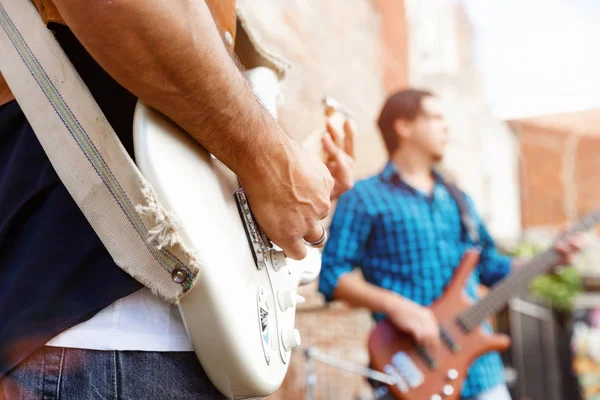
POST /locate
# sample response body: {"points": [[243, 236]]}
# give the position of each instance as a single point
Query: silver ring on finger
{"points": [[318, 241]]}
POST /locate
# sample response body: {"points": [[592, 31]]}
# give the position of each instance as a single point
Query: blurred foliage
{"points": [[559, 288]]}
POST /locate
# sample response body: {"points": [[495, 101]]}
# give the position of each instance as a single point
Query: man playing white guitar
{"points": [[55, 272], [402, 229]]}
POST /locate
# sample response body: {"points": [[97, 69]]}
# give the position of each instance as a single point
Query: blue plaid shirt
{"points": [[408, 242]]}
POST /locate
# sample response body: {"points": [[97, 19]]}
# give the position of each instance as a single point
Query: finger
{"points": [[564, 248], [429, 343], [419, 337], [561, 247], [316, 234], [571, 245], [329, 146], [579, 241], [338, 137], [332, 167], [350, 130], [295, 250], [434, 341]]}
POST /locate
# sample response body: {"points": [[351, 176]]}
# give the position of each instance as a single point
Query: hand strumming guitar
{"points": [[288, 213], [568, 248], [289, 195], [414, 319]]}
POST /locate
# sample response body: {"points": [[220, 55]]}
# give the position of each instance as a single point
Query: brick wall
{"points": [[559, 165], [482, 151], [335, 48]]}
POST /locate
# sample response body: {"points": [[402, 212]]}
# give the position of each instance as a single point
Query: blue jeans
{"points": [[61, 373]]}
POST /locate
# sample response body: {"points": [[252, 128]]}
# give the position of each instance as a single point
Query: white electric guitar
{"points": [[240, 315]]}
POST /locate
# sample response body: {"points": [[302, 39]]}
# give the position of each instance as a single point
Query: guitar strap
{"points": [[468, 221], [87, 155]]}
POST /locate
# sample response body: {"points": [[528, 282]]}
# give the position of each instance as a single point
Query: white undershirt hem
{"points": [[138, 322]]}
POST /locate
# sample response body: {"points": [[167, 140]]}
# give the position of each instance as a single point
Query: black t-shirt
{"points": [[54, 271]]}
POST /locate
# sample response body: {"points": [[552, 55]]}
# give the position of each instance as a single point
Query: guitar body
{"points": [[240, 315], [395, 353]]}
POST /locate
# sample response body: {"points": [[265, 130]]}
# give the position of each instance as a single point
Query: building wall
{"points": [[559, 164], [482, 155], [334, 49]]}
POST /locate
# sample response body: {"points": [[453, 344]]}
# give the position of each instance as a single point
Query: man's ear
{"points": [[402, 128]]}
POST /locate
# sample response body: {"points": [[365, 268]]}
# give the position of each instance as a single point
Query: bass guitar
{"points": [[424, 375]]}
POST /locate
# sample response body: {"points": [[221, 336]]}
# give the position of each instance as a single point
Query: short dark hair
{"points": [[406, 105]]}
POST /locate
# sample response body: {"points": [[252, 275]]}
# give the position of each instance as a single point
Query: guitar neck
{"points": [[519, 281]]}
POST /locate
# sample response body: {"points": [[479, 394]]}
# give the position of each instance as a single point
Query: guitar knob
{"points": [[435, 397], [291, 339], [278, 259], [287, 299], [452, 375], [447, 390]]}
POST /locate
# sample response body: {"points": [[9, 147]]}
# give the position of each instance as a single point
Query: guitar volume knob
{"points": [[447, 390], [278, 259], [452, 374], [291, 339]]}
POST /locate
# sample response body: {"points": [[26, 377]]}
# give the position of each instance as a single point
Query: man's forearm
{"points": [[357, 292], [170, 54]]}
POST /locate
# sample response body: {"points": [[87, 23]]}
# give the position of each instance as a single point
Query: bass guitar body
{"points": [[425, 375]]}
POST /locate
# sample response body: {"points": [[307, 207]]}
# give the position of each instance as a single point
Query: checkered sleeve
{"points": [[493, 266], [347, 241]]}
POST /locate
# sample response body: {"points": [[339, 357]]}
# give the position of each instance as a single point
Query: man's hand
{"points": [[289, 201], [171, 56], [340, 151], [568, 248], [416, 320]]}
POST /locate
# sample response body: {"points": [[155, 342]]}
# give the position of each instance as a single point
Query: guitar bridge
{"points": [[259, 244]]}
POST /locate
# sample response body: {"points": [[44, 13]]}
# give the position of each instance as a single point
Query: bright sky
{"points": [[538, 56]]}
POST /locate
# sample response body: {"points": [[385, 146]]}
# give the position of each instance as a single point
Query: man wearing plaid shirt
{"points": [[402, 229]]}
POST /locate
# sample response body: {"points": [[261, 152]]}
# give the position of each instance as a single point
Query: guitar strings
{"points": [[477, 313]]}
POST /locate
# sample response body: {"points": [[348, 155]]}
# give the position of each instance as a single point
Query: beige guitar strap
{"points": [[88, 157]]}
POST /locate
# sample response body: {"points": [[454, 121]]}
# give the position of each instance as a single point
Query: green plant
{"points": [[558, 288]]}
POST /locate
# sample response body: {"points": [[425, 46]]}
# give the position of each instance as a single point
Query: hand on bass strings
{"points": [[567, 248], [416, 320]]}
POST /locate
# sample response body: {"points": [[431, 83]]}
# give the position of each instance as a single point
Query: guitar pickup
{"points": [[400, 382], [447, 339], [407, 369], [258, 242], [427, 357]]}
